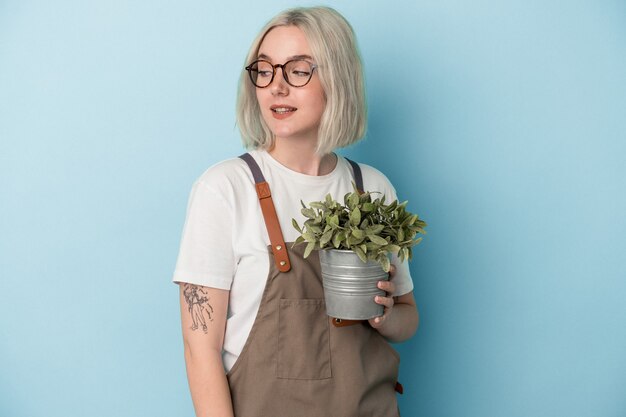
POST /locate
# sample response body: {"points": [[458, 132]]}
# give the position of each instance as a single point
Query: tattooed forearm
{"points": [[198, 306]]}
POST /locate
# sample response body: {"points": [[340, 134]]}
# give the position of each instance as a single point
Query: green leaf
{"points": [[355, 217], [400, 235], [374, 229], [378, 240], [309, 237], [308, 212], [353, 201], [392, 248], [296, 226], [358, 233], [333, 221], [309, 248], [384, 262], [368, 207], [315, 228], [318, 205], [336, 241], [326, 238], [338, 238], [372, 247], [360, 254], [353, 240], [391, 207]]}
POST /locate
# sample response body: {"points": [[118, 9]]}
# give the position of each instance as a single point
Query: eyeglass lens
{"points": [[297, 73]]}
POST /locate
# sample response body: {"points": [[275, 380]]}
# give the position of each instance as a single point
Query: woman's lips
{"points": [[281, 111]]}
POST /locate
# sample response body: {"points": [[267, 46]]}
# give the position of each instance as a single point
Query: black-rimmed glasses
{"points": [[297, 72]]}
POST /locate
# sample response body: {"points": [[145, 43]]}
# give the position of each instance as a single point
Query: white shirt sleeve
{"points": [[206, 254]]}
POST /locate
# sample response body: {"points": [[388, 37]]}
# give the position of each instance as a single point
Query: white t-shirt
{"points": [[224, 241]]}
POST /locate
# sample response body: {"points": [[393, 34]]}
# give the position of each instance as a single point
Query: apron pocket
{"points": [[303, 340]]}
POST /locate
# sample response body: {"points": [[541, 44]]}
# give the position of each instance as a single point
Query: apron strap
{"points": [[358, 177], [269, 215], [269, 211]]}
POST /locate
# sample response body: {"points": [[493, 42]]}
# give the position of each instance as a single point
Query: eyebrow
{"points": [[263, 56]]}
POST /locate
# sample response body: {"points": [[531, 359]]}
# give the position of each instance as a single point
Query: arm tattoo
{"points": [[198, 306]]}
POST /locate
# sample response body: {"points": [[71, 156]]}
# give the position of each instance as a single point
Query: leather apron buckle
{"points": [[343, 322]]}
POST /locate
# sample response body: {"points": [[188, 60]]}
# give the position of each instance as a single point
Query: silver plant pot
{"points": [[350, 285]]}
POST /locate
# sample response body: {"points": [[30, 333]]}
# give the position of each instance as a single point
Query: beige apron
{"points": [[295, 363]]}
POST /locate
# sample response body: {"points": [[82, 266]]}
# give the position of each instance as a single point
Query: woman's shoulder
{"points": [[229, 180], [228, 172]]}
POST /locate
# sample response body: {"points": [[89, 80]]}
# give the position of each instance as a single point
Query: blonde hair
{"points": [[334, 48]]}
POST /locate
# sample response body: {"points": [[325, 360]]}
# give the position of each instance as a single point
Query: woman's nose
{"points": [[279, 86]]}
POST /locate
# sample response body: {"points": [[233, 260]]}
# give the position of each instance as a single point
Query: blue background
{"points": [[503, 124]]}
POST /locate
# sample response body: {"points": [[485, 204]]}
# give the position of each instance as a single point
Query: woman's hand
{"points": [[400, 317], [389, 287]]}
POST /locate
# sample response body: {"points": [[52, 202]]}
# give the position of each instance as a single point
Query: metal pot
{"points": [[350, 285]]}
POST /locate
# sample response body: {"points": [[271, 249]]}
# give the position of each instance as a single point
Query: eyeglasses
{"points": [[297, 72]]}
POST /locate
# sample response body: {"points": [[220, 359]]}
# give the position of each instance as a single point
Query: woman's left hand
{"points": [[387, 301]]}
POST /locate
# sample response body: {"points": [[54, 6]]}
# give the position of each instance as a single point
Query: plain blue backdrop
{"points": [[502, 122]]}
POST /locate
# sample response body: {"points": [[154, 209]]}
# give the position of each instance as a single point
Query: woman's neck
{"points": [[302, 158]]}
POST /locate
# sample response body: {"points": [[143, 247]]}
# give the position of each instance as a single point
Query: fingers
{"points": [[377, 322], [388, 286], [387, 301]]}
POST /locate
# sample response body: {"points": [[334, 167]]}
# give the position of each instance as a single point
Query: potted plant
{"points": [[355, 240]]}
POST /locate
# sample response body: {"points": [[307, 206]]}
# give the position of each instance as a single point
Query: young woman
{"points": [[257, 338]]}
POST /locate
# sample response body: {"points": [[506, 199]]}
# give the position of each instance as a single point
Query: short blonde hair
{"points": [[334, 48]]}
